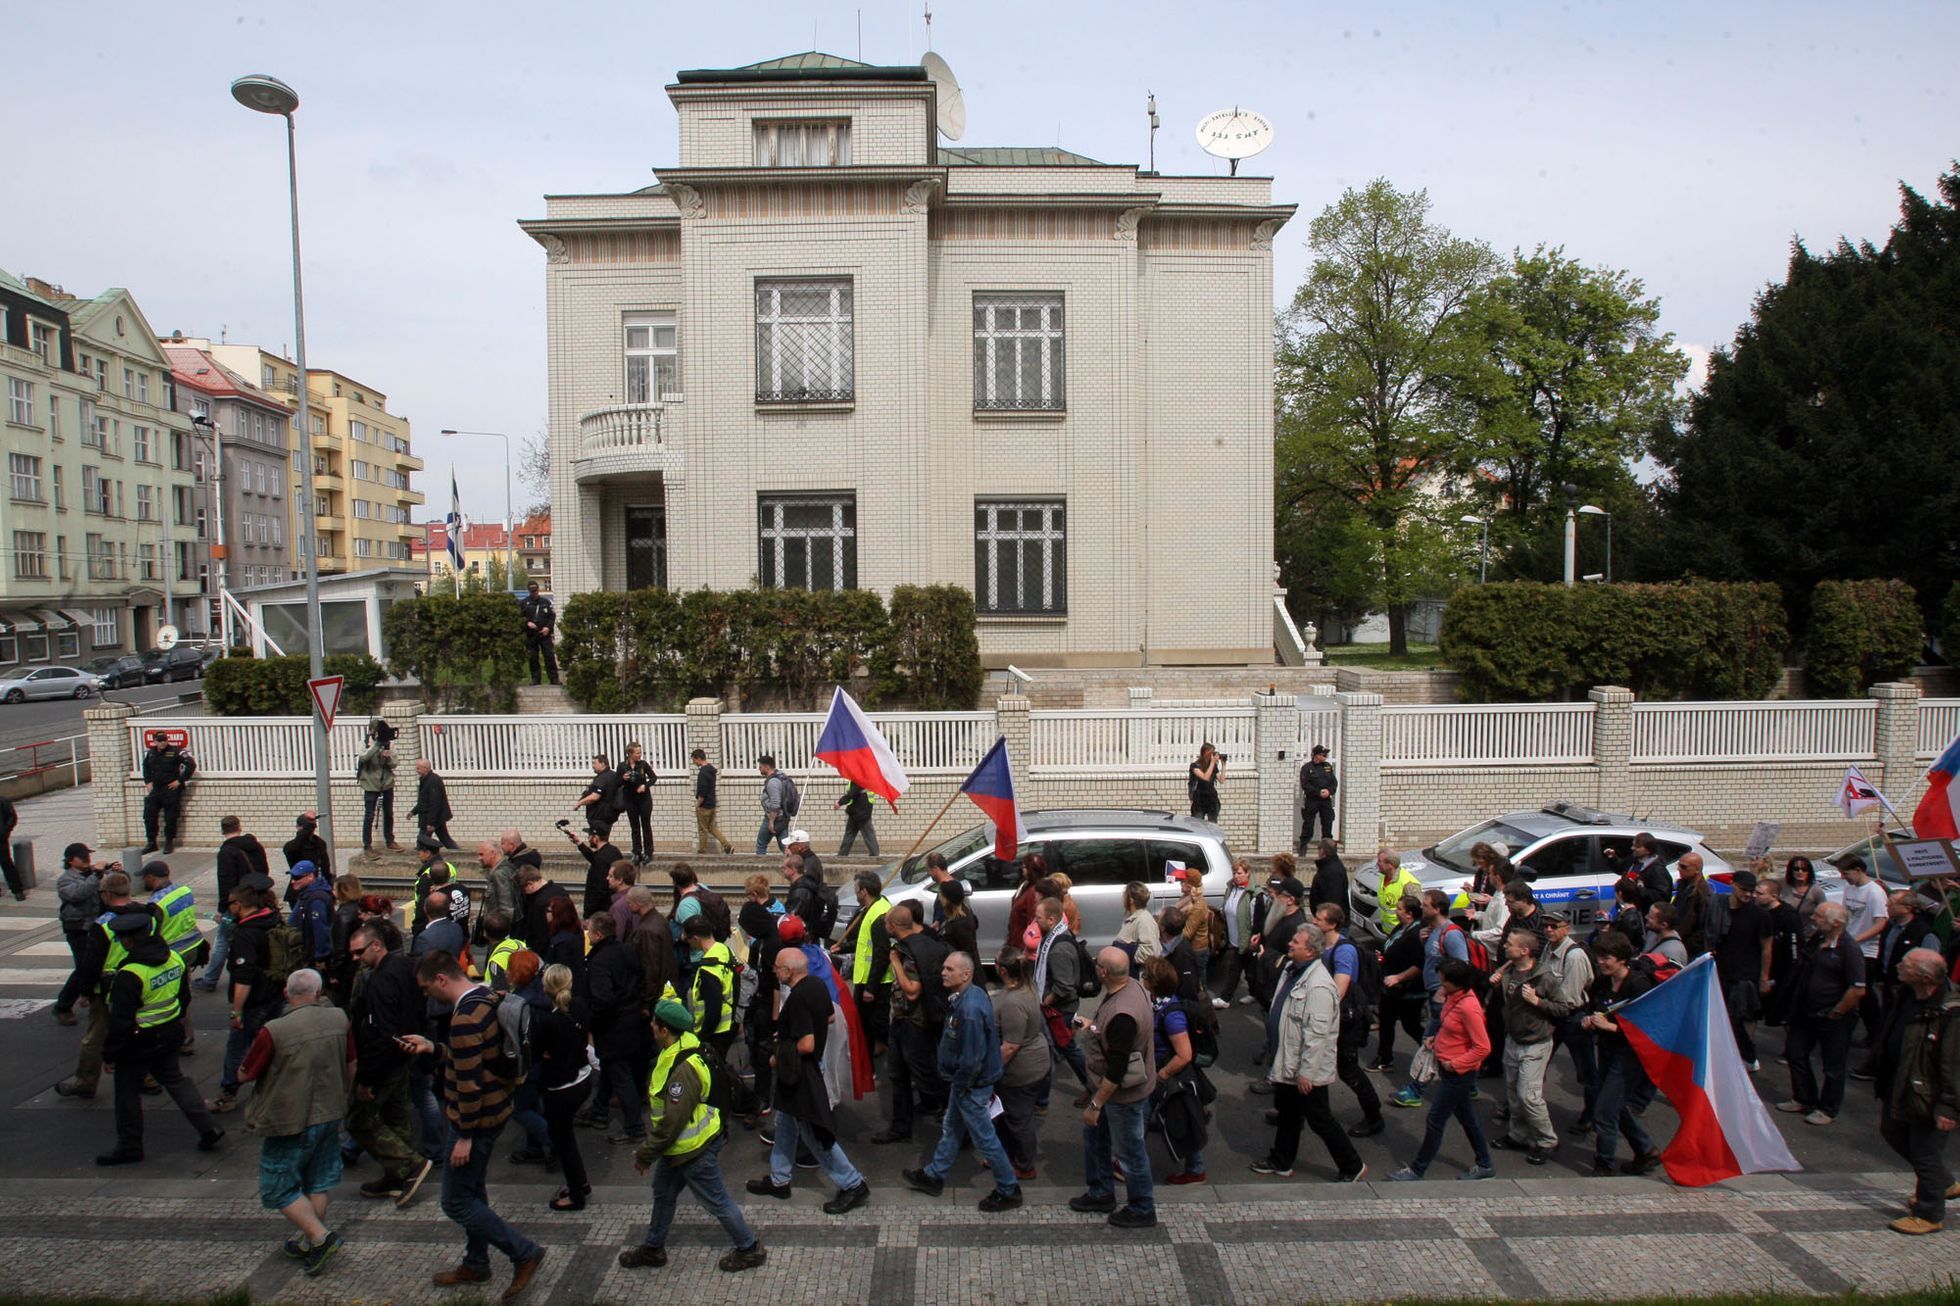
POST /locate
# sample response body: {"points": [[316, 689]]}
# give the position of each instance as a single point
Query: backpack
{"points": [[285, 952], [1657, 965], [1364, 993], [511, 1061], [726, 1091], [1477, 953], [792, 800], [1201, 1023], [715, 908], [1086, 983]]}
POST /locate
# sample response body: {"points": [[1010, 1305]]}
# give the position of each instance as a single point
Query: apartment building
{"points": [[100, 526], [485, 550], [250, 533], [825, 351]]}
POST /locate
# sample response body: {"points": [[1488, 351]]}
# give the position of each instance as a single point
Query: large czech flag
{"points": [[1680, 1031], [991, 787], [1938, 814], [853, 745]]}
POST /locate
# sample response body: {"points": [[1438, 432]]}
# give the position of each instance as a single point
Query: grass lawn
{"points": [[1420, 657]]}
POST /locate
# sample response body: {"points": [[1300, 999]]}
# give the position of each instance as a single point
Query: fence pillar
{"points": [[1137, 730], [110, 762], [1011, 720], [405, 715], [1276, 738], [1361, 830], [704, 728], [1895, 723], [1613, 747]]}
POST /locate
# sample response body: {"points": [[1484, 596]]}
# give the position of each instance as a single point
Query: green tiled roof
{"points": [[1015, 156], [808, 59]]}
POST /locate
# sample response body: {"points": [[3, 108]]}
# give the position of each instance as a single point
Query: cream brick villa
{"points": [[823, 350]]}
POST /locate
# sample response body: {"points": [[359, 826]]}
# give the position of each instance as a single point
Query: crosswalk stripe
{"points": [[34, 977]]}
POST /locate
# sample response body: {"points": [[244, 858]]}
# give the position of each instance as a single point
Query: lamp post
{"points": [[1571, 532], [262, 94], [1589, 510], [510, 560], [207, 428], [1483, 547]]}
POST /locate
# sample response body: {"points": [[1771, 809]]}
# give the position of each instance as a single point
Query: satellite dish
{"points": [[1234, 134], [952, 106], [167, 638]]}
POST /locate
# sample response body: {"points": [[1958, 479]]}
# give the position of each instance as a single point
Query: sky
{"points": [[1687, 143]]}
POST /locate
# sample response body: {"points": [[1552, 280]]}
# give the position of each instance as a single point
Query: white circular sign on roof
{"points": [[952, 105], [1234, 133]]}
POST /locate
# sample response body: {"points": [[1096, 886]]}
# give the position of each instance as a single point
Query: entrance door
{"points": [[143, 629], [646, 546]]}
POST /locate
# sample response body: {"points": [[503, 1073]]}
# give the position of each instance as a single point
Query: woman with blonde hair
{"points": [[558, 1036]]}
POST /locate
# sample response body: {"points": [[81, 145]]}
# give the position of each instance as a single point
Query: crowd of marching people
{"points": [[665, 1018]]}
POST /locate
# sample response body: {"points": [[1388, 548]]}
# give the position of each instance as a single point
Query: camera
{"points": [[563, 825], [1224, 757]]}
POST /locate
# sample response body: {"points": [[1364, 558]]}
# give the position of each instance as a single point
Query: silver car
{"points": [[1573, 854], [21, 684], [1100, 850]]}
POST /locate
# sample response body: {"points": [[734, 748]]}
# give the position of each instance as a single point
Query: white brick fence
{"points": [[1408, 773]]}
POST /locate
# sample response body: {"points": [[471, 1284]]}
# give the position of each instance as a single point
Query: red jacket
{"points": [[1462, 1043]]}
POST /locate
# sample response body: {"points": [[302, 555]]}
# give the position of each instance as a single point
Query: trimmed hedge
{"points": [[467, 650], [1861, 632], [655, 647], [239, 684], [1523, 641]]}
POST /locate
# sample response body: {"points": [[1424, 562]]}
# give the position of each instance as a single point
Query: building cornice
{"points": [[705, 178], [1116, 201]]}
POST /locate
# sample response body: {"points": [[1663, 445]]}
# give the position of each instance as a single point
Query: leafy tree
{"points": [[1368, 412], [1822, 446], [1861, 632], [1572, 381], [467, 651]]}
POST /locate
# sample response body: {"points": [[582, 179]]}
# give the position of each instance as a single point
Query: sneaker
{"points": [[319, 1254], [1913, 1226], [412, 1184], [1754, 1066], [767, 1137], [1185, 1177], [1404, 1098], [295, 1247], [1219, 1004], [804, 1162], [1089, 1204], [1131, 1218], [1476, 1172], [1380, 1067], [1819, 1117], [1354, 1178], [1268, 1166], [921, 1182], [385, 1186], [1403, 1176], [1260, 1088], [767, 1187], [1539, 1155], [1245, 999], [637, 1258], [997, 1201], [848, 1199], [1792, 1107], [742, 1258]]}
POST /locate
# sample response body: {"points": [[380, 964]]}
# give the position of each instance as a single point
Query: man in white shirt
{"points": [[1868, 914]]}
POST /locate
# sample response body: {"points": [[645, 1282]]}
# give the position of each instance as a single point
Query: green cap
{"points": [[674, 1016]]}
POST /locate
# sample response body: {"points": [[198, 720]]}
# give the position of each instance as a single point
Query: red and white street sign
{"points": [[175, 736], [326, 696]]}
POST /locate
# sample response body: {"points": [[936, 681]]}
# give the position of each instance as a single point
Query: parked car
{"points": [[183, 662], [1572, 854], [46, 682], [1099, 849], [207, 655], [114, 672]]}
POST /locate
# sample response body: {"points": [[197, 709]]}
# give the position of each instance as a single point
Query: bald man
{"points": [[1919, 1085], [1122, 1067]]}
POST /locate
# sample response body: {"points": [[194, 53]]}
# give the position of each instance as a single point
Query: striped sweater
{"points": [[475, 1101]]}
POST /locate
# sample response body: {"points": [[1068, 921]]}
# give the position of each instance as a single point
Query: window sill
{"points": [[1023, 618], [764, 406], [1020, 414]]}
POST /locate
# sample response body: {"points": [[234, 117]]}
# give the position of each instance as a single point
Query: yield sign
{"points": [[326, 696]]}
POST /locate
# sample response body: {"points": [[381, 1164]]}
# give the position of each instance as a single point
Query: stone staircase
{"points": [[544, 700]]}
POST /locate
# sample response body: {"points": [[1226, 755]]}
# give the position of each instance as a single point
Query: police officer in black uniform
{"points": [[540, 621], [166, 770], [1317, 789]]}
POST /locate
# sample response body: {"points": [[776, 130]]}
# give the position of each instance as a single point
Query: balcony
{"points": [[627, 440]]}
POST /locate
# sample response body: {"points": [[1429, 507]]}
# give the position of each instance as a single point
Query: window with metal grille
{"points": [[803, 341], [652, 357], [1020, 556], [803, 143], [808, 541], [31, 555], [1017, 351]]}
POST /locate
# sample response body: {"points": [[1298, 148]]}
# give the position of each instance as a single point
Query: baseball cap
{"points": [[1558, 917], [301, 867], [427, 843], [798, 836], [157, 868], [1744, 880], [1320, 750], [74, 850], [1292, 887]]}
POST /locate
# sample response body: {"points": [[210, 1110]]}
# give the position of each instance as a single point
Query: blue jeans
{"points": [[765, 834], [526, 1111], [239, 1041], [966, 1117], [782, 1156], [214, 969], [422, 1096], [1620, 1080], [701, 1174], [1120, 1126], [465, 1200], [1452, 1099]]}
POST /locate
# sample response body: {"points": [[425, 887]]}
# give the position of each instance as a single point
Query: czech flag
{"points": [[1680, 1031], [991, 787], [1938, 814], [851, 744]]}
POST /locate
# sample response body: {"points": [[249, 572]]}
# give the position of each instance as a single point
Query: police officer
{"points": [[711, 997], [166, 770], [495, 926], [434, 871], [147, 999], [540, 620], [103, 952], [179, 928], [1317, 788]]}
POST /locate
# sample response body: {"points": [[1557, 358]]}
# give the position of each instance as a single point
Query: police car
{"points": [[1571, 854]]}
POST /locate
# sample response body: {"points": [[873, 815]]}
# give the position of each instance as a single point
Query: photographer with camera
{"points": [[600, 854], [1203, 784]]}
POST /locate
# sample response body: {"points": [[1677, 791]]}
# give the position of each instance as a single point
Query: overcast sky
{"points": [[1688, 143]]}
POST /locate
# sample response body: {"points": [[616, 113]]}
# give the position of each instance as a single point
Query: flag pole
{"points": [[920, 841]]}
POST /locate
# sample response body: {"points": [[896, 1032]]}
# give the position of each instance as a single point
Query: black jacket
{"points": [[1330, 884], [636, 781], [387, 1004], [162, 765], [805, 899], [856, 802], [704, 785], [598, 894], [306, 846], [1316, 776], [431, 800], [536, 905], [238, 856], [612, 985], [538, 611]]}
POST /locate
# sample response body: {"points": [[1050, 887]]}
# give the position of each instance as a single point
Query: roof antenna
{"points": [[1151, 109], [860, 14], [928, 24]]}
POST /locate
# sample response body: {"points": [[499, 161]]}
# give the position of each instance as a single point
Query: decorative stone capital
{"points": [[1126, 223], [1262, 235], [688, 200], [919, 196], [554, 248]]}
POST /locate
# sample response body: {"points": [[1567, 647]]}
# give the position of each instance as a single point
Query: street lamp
{"points": [[1483, 548], [1571, 532], [510, 561], [1588, 510], [262, 94]]}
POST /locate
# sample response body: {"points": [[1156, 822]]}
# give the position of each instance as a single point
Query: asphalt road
{"points": [[47, 719]]}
